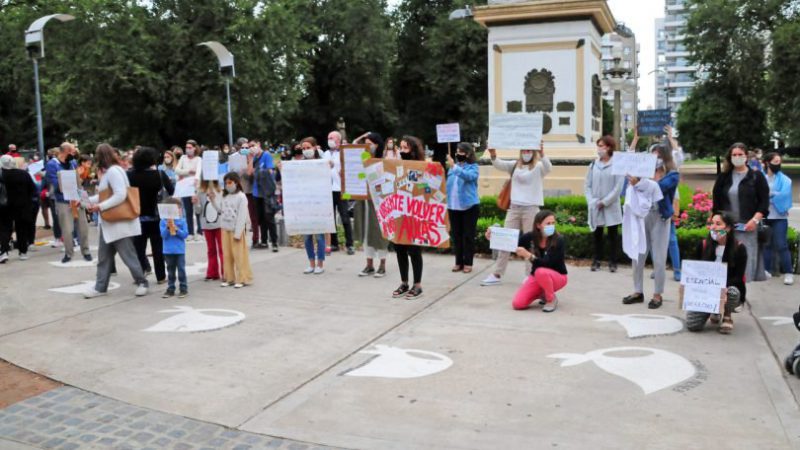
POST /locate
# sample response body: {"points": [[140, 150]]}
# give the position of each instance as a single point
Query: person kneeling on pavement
{"points": [[721, 246]]}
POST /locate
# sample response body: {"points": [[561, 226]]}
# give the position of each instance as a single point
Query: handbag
{"points": [[764, 233], [129, 209], [504, 198]]}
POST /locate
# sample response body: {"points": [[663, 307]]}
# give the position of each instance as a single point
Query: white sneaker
{"points": [[24, 257], [788, 279], [224, 284], [308, 270], [141, 290], [56, 243], [92, 293], [767, 274], [551, 306], [319, 271], [238, 286], [3, 257], [491, 280]]}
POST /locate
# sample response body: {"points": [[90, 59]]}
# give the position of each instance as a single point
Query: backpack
{"points": [[3, 191]]}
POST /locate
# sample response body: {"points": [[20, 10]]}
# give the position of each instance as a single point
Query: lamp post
{"points": [[228, 71], [34, 44], [618, 79]]}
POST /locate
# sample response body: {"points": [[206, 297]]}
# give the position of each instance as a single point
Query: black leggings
{"points": [[613, 237], [462, 234], [404, 252], [266, 221], [151, 231]]}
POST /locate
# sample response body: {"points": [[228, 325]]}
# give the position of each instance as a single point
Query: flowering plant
{"points": [[698, 213]]}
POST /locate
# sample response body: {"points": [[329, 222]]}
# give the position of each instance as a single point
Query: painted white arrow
{"points": [[75, 263], [778, 321], [638, 325], [80, 288], [393, 362], [189, 320]]}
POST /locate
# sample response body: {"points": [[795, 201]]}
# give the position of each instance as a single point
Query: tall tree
{"points": [[784, 83]]}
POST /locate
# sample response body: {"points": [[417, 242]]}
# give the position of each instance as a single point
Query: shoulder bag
{"points": [[129, 209], [504, 198]]}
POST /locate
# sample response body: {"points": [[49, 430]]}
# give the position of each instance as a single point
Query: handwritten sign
{"points": [[703, 282], [410, 211], [307, 206], [35, 167], [169, 211], [652, 122], [353, 176], [516, 131], [640, 165], [504, 239], [237, 163], [448, 132], [210, 170], [185, 188], [68, 183]]}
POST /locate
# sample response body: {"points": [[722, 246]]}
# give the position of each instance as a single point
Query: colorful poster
{"points": [[354, 185], [448, 132], [410, 210]]}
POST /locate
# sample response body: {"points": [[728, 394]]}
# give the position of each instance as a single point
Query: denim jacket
{"points": [[462, 186]]}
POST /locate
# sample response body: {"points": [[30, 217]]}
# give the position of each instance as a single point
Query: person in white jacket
{"points": [[527, 197], [191, 165], [234, 220], [115, 237]]}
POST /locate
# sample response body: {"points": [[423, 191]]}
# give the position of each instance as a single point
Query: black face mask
{"points": [[70, 157], [406, 156], [297, 152], [461, 158], [775, 168]]}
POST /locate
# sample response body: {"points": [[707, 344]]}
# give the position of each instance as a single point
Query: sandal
{"points": [[726, 327], [457, 268], [467, 269], [401, 291], [655, 304], [415, 292]]}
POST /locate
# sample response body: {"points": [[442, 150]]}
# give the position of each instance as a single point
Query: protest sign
{"points": [[504, 239], [354, 184], [640, 165], [702, 285], [168, 211], [516, 131], [237, 162], [185, 188], [35, 167], [68, 184], [410, 199], [307, 205], [448, 132], [652, 122], [210, 170], [223, 170]]}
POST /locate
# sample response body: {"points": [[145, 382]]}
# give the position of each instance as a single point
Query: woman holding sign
{"points": [[367, 227], [527, 196], [316, 259], [411, 149], [721, 246], [463, 204], [603, 189], [190, 165]]}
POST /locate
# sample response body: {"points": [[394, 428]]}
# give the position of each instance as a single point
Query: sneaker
{"points": [[491, 280], [24, 257], [56, 243], [65, 259], [3, 257], [93, 293], [676, 275], [274, 248], [224, 284], [380, 273], [238, 285], [612, 268], [595, 266], [788, 279], [87, 257], [367, 272], [308, 270], [183, 294], [168, 294], [319, 271], [141, 290], [767, 274], [542, 300], [551, 306], [351, 251]]}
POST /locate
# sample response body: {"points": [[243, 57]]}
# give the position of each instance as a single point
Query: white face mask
{"points": [[601, 153], [230, 189], [739, 161], [190, 152], [659, 163], [332, 144], [527, 157], [309, 154]]}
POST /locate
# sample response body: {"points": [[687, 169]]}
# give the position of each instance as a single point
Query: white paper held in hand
{"points": [[639, 165], [504, 239], [210, 165], [185, 188], [68, 182], [168, 211]]}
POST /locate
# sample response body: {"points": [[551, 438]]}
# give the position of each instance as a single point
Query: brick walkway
{"points": [[69, 419]]}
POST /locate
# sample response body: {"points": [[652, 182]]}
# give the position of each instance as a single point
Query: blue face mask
{"points": [[244, 151], [549, 230]]}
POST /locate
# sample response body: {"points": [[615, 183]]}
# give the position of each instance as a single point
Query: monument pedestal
{"points": [[544, 56]]}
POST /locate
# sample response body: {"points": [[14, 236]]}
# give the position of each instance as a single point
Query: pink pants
{"points": [[214, 246], [544, 282]]}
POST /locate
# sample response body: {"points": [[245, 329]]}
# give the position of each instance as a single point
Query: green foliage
{"points": [[783, 82], [685, 193]]}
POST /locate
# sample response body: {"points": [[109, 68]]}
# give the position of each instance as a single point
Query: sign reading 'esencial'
{"points": [[703, 282]]}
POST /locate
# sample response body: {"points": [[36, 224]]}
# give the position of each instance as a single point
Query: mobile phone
{"points": [[739, 227]]}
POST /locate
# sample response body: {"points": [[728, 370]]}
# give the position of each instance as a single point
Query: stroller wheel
{"points": [[796, 367], [787, 363]]}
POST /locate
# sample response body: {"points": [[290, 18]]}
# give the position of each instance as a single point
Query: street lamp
{"points": [[34, 43], [618, 79], [228, 71], [463, 13]]}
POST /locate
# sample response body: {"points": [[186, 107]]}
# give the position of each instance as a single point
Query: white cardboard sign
{"points": [[237, 163], [640, 165], [448, 132], [68, 183], [504, 239], [307, 206], [185, 188], [210, 170], [516, 131], [168, 211], [703, 282]]}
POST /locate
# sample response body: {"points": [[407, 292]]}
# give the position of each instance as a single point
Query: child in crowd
{"points": [[234, 221], [173, 234], [209, 198]]}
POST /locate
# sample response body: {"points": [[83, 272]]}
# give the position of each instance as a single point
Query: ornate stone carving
{"points": [[597, 92], [547, 124], [514, 106], [540, 89]]}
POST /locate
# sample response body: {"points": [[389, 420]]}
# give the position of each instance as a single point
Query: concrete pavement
{"points": [[475, 373]]}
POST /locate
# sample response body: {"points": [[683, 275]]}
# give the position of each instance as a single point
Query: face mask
{"points": [[659, 163], [601, 153], [309, 154], [527, 157], [739, 161], [717, 235], [70, 157], [167, 161], [230, 189], [461, 158], [332, 144], [406, 156], [390, 146], [190, 152], [549, 230], [775, 168], [244, 151], [373, 148]]}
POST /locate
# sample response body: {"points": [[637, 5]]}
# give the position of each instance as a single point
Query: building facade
{"points": [[630, 60], [675, 75]]}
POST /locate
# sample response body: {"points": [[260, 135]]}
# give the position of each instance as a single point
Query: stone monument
{"points": [[544, 56]]}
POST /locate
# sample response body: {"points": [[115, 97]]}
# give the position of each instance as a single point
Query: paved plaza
{"points": [[331, 361]]}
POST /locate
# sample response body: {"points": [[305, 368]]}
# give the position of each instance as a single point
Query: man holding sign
{"points": [[717, 279], [69, 211]]}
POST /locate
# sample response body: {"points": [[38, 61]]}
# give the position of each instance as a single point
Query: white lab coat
{"points": [[639, 200]]}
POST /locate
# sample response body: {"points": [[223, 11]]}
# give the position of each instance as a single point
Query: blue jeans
{"points": [[176, 262], [674, 251], [320, 238], [779, 244]]}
